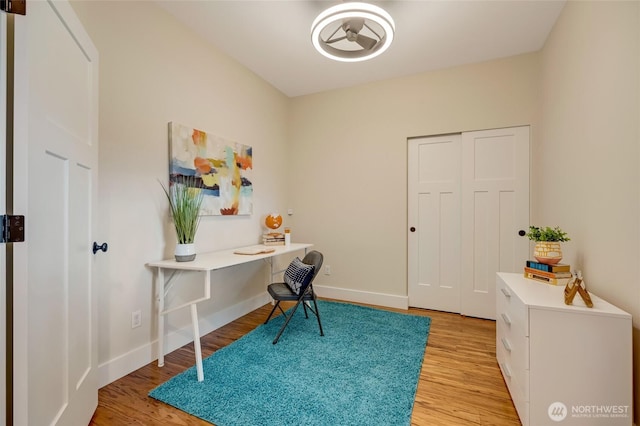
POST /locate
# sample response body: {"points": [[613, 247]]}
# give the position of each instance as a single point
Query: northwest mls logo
{"points": [[557, 411]]}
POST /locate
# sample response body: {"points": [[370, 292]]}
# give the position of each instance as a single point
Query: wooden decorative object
{"points": [[570, 291], [582, 290], [576, 285]]}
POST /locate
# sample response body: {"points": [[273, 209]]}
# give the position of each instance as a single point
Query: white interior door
{"points": [[434, 222], [495, 207], [468, 197], [56, 153]]}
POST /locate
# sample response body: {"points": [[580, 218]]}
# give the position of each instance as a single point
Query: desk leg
{"points": [[196, 326], [196, 342], [160, 295]]}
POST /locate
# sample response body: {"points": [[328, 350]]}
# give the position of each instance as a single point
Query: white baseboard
{"points": [[359, 296], [116, 368]]}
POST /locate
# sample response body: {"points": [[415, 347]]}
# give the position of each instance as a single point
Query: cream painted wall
{"points": [[350, 168], [153, 70], [587, 160]]}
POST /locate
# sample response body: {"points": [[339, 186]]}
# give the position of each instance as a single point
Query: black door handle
{"points": [[104, 247], [522, 233], [412, 229]]}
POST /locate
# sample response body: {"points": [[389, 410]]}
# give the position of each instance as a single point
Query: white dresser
{"points": [[563, 365]]}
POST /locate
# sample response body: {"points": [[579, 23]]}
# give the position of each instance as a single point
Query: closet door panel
{"points": [[495, 206], [434, 216]]}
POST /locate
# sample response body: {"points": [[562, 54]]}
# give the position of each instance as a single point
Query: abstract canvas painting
{"points": [[223, 169]]}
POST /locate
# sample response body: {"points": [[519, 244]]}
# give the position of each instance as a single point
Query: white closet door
{"points": [[495, 207], [434, 223]]}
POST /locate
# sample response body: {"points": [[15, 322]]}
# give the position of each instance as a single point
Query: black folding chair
{"points": [[297, 287]]}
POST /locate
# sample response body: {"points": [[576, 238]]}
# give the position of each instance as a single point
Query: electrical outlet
{"points": [[327, 269], [136, 318]]}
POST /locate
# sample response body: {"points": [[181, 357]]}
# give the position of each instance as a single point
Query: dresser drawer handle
{"points": [[506, 370], [506, 344], [506, 319], [505, 292]]}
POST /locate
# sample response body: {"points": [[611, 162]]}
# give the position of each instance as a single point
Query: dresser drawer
{"points": [[510, 335], [511, 378], [517, 380], [510, 309], [512, 348]]}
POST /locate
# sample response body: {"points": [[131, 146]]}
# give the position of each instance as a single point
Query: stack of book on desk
{"points": [[273, 239], [558, 274]]}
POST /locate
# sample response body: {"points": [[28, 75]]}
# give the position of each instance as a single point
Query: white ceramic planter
{"points": [[185, 252]]}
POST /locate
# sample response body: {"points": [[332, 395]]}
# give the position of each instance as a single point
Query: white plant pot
{"points": [[185, 252]]}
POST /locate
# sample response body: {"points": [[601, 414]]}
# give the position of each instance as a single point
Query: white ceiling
{"points": [[272, 38]]}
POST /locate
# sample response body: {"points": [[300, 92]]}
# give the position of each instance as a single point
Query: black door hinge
{"points": [[11, 228], [18, 7]]}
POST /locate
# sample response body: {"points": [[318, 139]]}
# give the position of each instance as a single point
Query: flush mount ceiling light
{"points": [[352, 32]]}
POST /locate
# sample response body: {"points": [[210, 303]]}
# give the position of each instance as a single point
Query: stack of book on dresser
{"points": [[558, 274]]}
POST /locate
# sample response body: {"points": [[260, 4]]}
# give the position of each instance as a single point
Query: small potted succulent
{"points": [[547, 249], [185, 199]]}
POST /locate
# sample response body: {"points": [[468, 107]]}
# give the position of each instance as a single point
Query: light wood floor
{"points": [[460, 383]]}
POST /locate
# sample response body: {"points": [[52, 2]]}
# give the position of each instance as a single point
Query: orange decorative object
{"points": [[229, 211], [273, 221]]}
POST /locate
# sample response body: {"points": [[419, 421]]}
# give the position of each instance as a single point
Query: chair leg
{"points": [[304, 305], [318, 316], [272, 311], [286, 322]]}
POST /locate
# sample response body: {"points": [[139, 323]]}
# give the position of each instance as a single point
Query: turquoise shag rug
{"points": [[363, 371]]}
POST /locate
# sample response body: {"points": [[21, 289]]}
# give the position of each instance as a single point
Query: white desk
{"points": [[205, 263]]}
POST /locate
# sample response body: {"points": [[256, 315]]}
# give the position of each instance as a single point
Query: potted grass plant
{"points": [[185, 199], [547, 249]]}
